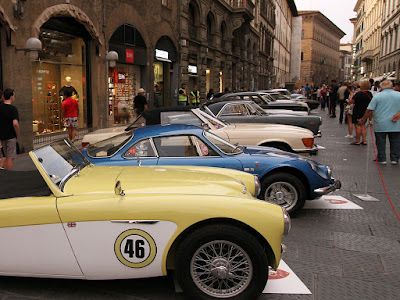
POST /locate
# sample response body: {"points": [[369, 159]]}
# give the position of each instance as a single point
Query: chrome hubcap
{"points": [[282, 193], [221, 269]]}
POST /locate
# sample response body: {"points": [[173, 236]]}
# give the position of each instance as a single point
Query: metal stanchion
{"points": [[365, 196]]}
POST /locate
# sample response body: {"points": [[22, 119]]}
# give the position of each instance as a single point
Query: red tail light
{"points": [[308, 142], [85, 144]]}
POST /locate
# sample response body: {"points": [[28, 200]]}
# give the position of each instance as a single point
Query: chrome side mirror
{"points": [[118, 190]]}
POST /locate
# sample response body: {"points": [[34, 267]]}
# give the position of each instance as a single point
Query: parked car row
{"points": [[152, 197]]}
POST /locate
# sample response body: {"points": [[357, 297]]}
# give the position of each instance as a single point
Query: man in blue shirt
{"points": [[384, 107]]}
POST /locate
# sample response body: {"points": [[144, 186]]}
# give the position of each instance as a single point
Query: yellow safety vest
{"points": [[196, 99], [182, 97]]}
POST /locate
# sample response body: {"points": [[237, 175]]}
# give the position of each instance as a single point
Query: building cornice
{"points": [[324, 20]]}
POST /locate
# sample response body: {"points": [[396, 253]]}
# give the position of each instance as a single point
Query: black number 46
{"points": [[134, 249]]}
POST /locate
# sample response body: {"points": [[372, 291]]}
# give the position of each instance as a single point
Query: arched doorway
{"points": [[62, 62], [164, 72], [128, 76]]}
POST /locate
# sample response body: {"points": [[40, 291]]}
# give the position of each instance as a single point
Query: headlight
{"points": [[286, 222], [329, 171], [317, 169], [257, 185]]}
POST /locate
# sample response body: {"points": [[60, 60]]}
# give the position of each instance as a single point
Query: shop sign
{"points": [[161, 54], [129, 56], [119, 77], [192, 69]]}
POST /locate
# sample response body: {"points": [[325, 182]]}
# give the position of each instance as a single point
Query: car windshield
{"points": [[109, 147], [267, 98], [223, 145], [255, 109], [60, 161]]}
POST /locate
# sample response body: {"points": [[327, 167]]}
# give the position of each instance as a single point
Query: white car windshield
{"points": [[223, 145], [60, 161]]}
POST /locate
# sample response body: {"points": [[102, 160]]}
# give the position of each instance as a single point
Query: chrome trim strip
{"points": [[145, 222]]}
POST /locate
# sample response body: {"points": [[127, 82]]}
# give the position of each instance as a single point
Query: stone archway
{"points": [[66, 10], [4, 19]]}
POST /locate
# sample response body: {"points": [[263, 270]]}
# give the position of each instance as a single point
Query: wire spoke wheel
{"points": [[221, 269]]}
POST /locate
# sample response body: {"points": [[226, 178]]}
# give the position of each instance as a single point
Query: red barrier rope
{"points": [[380, 174]]}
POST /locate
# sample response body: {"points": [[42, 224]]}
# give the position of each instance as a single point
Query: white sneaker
{"points": [[349, 136], [383, 162], [393, 162]]}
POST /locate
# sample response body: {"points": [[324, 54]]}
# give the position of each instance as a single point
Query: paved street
{"points": [[338, 254]]}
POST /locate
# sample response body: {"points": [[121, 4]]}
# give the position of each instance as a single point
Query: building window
{"points": [[192, 22], [302, 55]]}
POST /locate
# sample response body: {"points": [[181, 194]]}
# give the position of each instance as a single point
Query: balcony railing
{"points": [[241, 4], [246, 6]]}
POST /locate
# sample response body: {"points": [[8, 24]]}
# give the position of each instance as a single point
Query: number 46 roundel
{"points": [[135, 248]]}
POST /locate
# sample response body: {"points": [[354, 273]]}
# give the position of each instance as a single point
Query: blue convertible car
{"points": [[286, 179]]}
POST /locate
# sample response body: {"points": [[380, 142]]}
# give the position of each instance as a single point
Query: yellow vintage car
{"points": [[70, 219]]}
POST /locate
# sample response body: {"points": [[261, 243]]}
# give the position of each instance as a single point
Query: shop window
{"points": [[62, 64]]}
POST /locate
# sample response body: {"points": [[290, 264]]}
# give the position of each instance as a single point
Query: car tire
{"points": [[285, 190], [198, 258]]}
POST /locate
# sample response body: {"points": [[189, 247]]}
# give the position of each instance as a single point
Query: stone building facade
{"points": [[320, 49], [285, 11], [265, 22], [345, 62], [76, 36], [367, 38], [390, 40], [371, 37], [219, 46]]}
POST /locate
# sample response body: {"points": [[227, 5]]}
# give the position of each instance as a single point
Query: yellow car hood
{"points": [[154, 180]]}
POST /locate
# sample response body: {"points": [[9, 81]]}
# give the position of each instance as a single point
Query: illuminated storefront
{"points": [[164, 63], [61, 63], [127, 77]]}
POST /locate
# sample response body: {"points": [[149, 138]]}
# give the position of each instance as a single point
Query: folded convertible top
{"points": [[14, 184]]}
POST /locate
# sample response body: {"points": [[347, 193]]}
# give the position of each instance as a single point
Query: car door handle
{"points": [[145, 222]]}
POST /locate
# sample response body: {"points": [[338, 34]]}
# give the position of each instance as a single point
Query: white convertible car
{"points": [[284, 137]]}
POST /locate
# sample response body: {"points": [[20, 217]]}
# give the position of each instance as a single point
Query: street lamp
{"points": [[112, 58], [33, 46]]}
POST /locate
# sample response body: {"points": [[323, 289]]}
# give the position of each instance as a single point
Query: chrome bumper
{"points": [[330, 188]]}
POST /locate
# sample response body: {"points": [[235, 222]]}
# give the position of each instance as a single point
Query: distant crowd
{"points": [[360, 101]]}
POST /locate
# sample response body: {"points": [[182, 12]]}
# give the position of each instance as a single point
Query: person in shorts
{"points": [[70, 112], [9, 129]]}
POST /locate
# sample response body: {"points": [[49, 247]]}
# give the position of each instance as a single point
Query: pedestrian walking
{"points": [[183, 95], [70, 112], [9, 129], [342, 97], [140, 102], [333, 98], [195, 96], [385, 108], [361, 101]]}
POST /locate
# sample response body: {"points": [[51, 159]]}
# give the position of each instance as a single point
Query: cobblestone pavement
{"points": [[338, 254]]}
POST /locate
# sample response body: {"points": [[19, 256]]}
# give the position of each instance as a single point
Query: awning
{"points": [[163, 59]]}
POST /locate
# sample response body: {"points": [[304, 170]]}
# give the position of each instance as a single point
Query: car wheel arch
{"points": [[293, 171], [220, 221], [275, 144]]}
